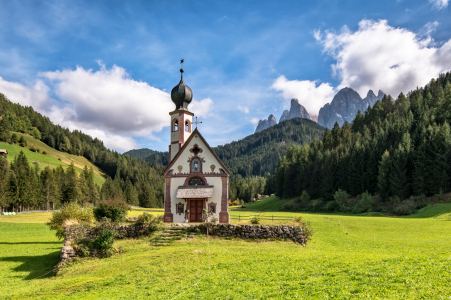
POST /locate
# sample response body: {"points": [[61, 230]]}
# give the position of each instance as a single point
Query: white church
{"points": [[196, 181]]}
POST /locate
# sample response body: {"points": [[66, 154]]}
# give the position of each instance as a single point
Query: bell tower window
{"points": [[175, 126], [187, 126]]}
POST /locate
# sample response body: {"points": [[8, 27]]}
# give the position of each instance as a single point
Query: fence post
{"points": [[272, 218]]}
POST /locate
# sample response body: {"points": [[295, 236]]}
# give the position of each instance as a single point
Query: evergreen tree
{"points": [[383, 184]]}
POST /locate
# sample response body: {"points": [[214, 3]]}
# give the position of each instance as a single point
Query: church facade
{"points": [[196, 181]]}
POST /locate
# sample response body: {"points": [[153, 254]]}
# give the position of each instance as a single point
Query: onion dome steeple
{"points": [[181, 94]]}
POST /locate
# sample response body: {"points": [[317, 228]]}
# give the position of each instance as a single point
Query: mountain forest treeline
{"points": [[138, 182], [396, 149], [256, 154]]}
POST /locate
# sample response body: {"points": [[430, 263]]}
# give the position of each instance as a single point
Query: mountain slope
{"points": [[258, 153], [52, 158]]}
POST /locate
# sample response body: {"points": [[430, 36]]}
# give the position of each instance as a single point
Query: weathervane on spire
{"points": [[181, 63], [197, 122]]}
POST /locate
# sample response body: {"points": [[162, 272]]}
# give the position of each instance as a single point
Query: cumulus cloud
{"points": [[311, 95], [202, 108], [439, 4], [107, 104], [243, 109], [378, 56], [254, 121], [110, 100], [35, 95]]}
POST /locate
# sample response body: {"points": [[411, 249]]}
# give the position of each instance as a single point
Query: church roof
{"points": [[186, 145]]}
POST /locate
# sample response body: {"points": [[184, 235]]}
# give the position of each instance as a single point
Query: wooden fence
{"points": [[261, 217]]}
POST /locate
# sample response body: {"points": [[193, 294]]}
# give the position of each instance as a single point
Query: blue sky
{"points": [[106, 67]]}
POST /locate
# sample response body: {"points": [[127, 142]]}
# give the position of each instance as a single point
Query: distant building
{"points": [[3, 152], [195, 180]]}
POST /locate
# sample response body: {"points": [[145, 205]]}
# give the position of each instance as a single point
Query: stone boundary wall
{"points": [[123, 231], [295, 234], [73, 233]]}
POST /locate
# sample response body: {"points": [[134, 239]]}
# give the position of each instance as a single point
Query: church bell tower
{"points": [[181, 117]]}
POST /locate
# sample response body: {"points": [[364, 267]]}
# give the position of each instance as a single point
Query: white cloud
{"points": [[35, 95], [110, 100], [309, 94], [254, 121], [107, 104], [439, 4], [378, 56], [201, 108], [243, 109]]}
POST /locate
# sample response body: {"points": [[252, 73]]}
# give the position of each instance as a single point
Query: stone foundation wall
{"points": [[295, 234], [73, 233]]}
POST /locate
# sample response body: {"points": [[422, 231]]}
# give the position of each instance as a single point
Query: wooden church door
{"points": [[195, 210]]}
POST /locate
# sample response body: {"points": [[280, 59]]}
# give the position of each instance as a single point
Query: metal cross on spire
{"points": [[197, 122]]}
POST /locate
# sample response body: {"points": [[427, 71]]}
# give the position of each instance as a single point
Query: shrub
{"points": [[32, 149], [304, 198], [365, 204], [298, 219], [405, 208], [306, 227], [103, 244], [286, 206], [341, 197], [242, 204], [155, 222], [44, 152], [114, 209], [317, 204], [255, 220], [332, 206], [13, 138], [70, 214]]}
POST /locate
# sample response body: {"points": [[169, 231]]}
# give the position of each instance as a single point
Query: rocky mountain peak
{"points": [[266, 123], [284, 116], [345, 105], [296, 111]]}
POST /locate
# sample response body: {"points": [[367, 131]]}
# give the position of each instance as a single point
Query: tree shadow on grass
{"points": [[36, 265]]}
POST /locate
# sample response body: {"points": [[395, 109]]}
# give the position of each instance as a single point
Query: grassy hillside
{"points": [[53, 158], [349, 257]]}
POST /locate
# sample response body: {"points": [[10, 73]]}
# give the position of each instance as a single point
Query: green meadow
{"points": [[349, 257], [53, 158]]}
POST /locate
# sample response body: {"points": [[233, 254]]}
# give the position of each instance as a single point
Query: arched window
{"points": [[175, 127], [196, 181], [196, 165], [187, 125]]}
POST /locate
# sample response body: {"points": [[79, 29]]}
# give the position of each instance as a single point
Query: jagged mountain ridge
{"points": [[345, 105], [266, 123], [296, 111]]}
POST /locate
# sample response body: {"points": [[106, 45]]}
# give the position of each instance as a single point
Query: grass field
{"points": [[53, 158], [349, 257]]}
